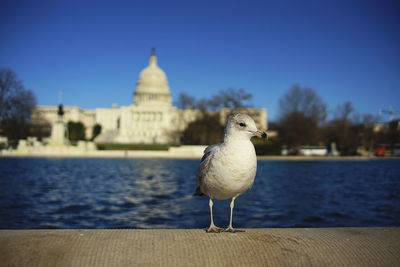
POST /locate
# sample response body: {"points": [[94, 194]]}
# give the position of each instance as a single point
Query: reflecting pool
{"points": [[157, 193]]}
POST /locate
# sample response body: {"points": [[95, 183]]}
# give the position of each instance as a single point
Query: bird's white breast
{"points": [[232, 170]]}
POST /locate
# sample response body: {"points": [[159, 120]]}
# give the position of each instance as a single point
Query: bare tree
{"points": [[9, 87], [16, 104], [344, 123], [367, 134], [225, 98], [344, 111], [305, 101], [302, 111], [296, 129], [203, 131], [185, 101], [350, 130], [230, 98], [207, 128]]}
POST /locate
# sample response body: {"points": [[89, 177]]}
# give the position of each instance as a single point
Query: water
{"points": [[154, 193]]}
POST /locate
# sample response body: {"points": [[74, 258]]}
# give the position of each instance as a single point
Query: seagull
{"points": [[227, 169]]}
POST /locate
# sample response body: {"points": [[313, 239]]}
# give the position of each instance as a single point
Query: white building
{"points": [[151, 119]]}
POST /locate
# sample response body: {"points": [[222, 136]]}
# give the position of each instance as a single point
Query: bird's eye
{"points": [[242, 124]]}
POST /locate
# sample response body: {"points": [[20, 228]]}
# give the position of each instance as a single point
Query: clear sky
{"points": [[95, 50]]}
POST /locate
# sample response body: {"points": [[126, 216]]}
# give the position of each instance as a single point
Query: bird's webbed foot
{"points": [[214, 229], [231, 230]]}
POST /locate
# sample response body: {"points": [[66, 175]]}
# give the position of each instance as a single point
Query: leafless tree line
{"points": [[303, 121], [16, 104]]}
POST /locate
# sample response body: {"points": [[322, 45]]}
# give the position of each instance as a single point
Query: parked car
{"points": [[380, 151]]}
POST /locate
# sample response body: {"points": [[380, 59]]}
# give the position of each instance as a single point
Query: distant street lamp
{"points": [[391, 112]]}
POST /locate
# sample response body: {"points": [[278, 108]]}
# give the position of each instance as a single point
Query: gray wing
{"points": [[203, 168]]}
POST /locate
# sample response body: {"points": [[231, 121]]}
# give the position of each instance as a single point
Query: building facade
{"points": [[151, 119]]}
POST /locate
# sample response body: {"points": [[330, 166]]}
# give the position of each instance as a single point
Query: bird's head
{"points": [[242, 126]]}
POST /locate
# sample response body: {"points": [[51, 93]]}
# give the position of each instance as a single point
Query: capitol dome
{"points": [[152, 86]]}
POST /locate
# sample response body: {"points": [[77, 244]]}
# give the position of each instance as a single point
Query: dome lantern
{"points": [[152, 87]]}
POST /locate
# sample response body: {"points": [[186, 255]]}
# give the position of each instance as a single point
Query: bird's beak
{"points": [[260, 134]]}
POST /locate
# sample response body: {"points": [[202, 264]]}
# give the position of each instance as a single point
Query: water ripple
{"points": [[155, 193]]}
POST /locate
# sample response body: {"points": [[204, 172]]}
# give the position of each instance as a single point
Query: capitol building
{"points": [[150, 119]]}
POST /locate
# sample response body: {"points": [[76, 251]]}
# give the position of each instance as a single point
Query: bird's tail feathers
{"points": [[198, 192]]}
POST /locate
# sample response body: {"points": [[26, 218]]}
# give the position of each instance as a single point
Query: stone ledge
{"points": [[255, 247]]}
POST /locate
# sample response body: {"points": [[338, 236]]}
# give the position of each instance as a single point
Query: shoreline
{"points": [[145, 154], [325, 158]]}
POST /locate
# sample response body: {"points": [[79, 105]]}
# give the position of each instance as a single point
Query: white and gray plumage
{"points": [[228, 169]]}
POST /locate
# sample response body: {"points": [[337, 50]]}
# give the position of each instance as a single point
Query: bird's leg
{"points": [[230, 228], [213, 228]]}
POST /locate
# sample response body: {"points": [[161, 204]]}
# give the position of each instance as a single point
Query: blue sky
{"points": [[95, 50]]}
